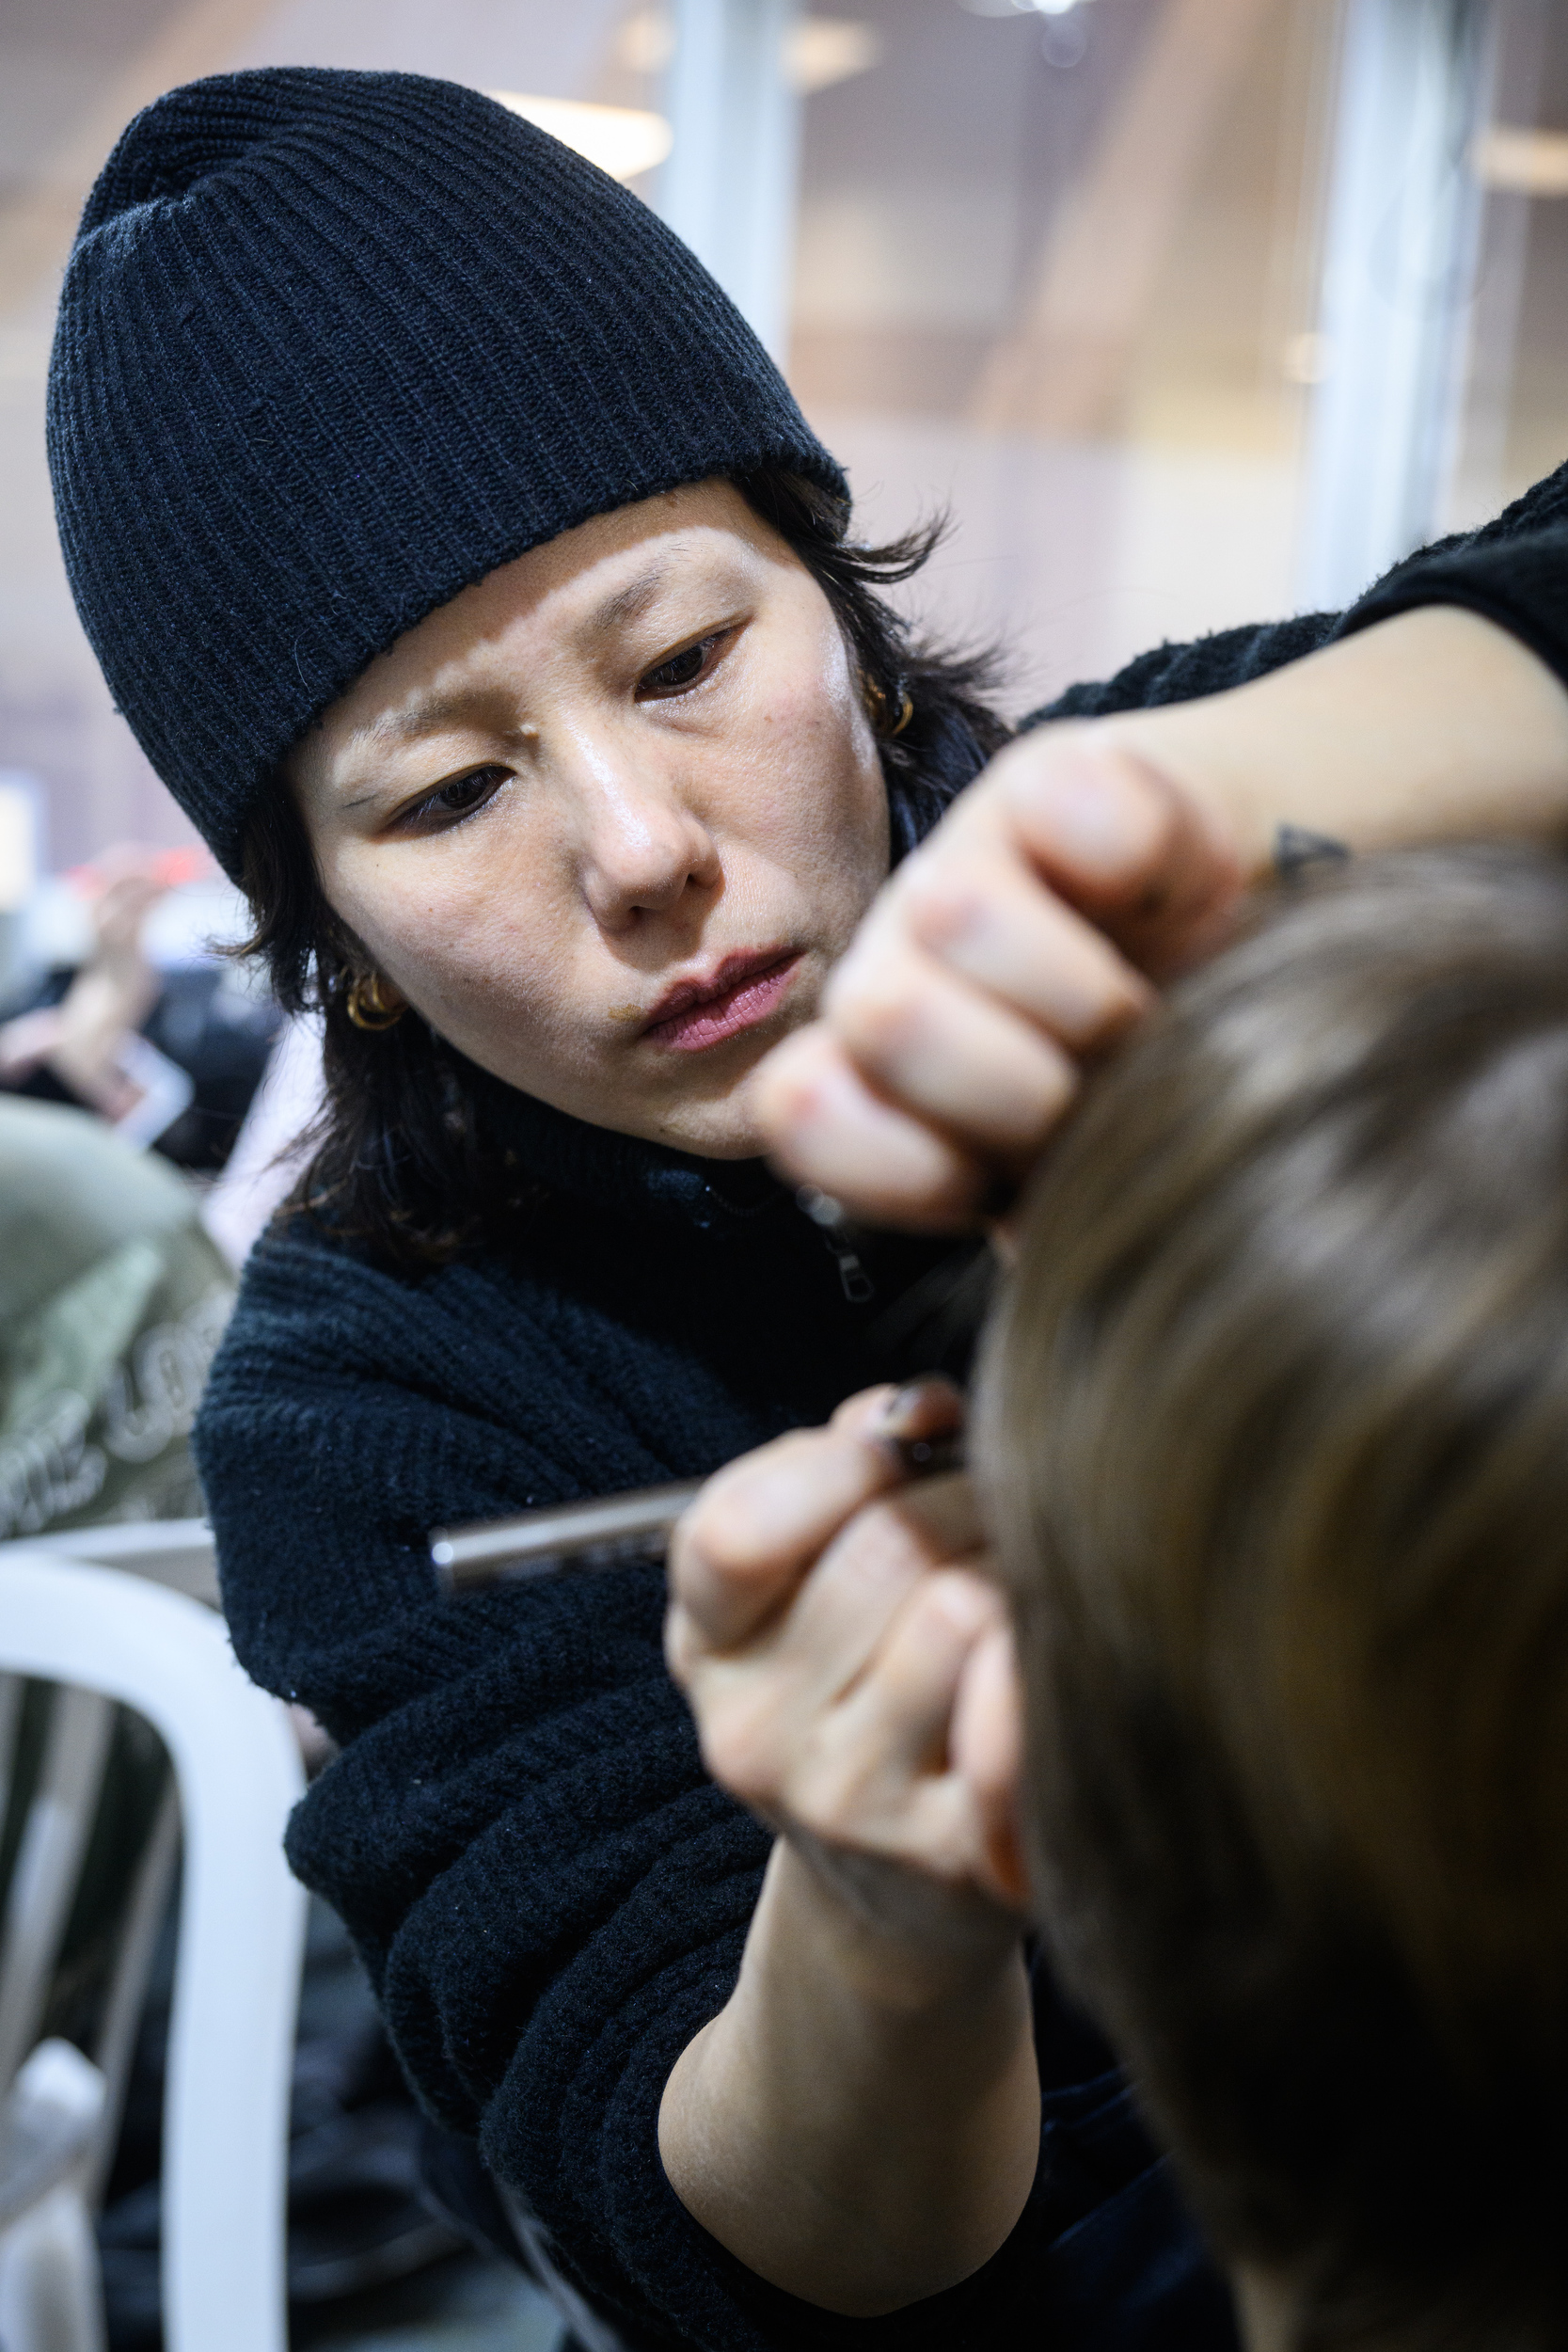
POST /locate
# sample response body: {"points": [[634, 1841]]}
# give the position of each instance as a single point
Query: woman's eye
{"points": [[682, 669], [464, 794]]}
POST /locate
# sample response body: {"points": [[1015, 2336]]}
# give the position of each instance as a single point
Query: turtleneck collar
{"points": [[622, 1174]]}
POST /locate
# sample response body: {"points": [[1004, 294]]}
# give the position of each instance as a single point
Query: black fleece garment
{"points": [[549, 1895]]}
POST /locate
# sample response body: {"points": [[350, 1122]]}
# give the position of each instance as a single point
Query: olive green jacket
{"points": [[112, 1301]]}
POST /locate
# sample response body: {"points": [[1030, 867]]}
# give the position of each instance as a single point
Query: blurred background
{"points": [[1191, 310], [1188, 313]]}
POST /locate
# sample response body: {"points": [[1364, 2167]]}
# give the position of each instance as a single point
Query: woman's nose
{"points": [[643, 849]]}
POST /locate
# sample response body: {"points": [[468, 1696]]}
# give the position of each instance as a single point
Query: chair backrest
{"points": [[180, 1554], [177, 1553], [52, 1833], [106, 1636]]}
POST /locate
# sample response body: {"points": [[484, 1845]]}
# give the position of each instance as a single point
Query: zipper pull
{"points": [[828, 1216]]}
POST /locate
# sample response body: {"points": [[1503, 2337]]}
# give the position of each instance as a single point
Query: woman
{"points": [[474, 583], [1270, 1440]]}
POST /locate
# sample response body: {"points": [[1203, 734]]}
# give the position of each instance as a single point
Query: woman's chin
{"points": [[711, 1114], [736, 1137]]}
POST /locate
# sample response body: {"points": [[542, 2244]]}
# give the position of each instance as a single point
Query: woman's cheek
{"points": [[519, 993], [832, 832], [482, 978]]}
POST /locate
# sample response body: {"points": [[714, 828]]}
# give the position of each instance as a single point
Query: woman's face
{"points": [[608, 817]]}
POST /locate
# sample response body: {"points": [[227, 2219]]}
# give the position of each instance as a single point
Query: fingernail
{"points": [[903, 1426], [902, 1409]]}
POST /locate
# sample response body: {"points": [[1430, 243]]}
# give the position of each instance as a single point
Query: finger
{"points": [[864, 1578], [1122, 840], [943, 1515], [988, 1717], [869, 1412], [823, 1124], [923, 1410], [986, 1750], [860, 1782], [988, 921], [920, 1673], [962, 1819], [949, 1052], [739, 1553]]}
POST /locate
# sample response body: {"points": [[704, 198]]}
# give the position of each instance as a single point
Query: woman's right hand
{"points": [[848, 1666], [860, 2124]]}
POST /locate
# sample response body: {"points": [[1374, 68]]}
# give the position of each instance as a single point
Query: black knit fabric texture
{"points": [[331, 347], [549, 1894]]}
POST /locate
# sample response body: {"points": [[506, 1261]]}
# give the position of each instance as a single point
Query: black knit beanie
{"points": [[334, 345]]}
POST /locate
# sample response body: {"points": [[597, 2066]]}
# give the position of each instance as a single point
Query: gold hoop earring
{"points": [[877, 711], [368, 1009]]}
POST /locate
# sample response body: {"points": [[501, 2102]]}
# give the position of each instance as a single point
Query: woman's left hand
{"points": [[1095, 857]]}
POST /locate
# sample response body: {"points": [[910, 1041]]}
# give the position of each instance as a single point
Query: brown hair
{"points": [[1276, 1416], [402, 1157]]}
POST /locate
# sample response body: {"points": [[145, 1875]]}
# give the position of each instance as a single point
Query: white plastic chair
{"points": [[108, 1635], [177, 1553]]}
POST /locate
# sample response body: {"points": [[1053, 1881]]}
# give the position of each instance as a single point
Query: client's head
{"points": [[1275, 1419]]}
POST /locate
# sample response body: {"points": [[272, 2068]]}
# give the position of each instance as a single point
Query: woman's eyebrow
{"points": [[427, 714], [422, 714], [630, 602]]}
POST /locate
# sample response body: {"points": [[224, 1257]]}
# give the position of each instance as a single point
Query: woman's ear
{"points": [[985, 1749]]}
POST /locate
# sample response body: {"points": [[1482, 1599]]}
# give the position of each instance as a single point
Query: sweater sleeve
{"points": [[1513, 571], [549, 1894]]}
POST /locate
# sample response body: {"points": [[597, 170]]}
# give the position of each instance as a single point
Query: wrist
{"points": [[895, 1940], [855, 2125], [1433, 725]]}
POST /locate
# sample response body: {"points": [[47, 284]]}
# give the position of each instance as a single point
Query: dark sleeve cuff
{"points": [[1519, 583]]}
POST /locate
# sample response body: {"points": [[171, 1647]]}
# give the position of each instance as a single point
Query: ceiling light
{"points": [[1020, 8], [820, 49], [1521, 163], [621, 140]]}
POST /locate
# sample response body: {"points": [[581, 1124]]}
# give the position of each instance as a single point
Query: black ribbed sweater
{"points": [[549, 1895]]}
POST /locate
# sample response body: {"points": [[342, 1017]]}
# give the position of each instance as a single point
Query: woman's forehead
{"points": [[575, 591], [597, 577]]}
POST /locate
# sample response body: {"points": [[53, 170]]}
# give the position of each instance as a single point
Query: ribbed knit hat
{"points": [[334, 345]]}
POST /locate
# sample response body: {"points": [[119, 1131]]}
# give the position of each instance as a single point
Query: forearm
{"points": [[861, 2123], [1436, 725]]}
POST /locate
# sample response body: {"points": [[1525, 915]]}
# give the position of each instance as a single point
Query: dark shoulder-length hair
{"points": [[401, 1158]]}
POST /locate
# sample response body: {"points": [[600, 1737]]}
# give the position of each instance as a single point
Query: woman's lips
{"points": [[744, 991]]}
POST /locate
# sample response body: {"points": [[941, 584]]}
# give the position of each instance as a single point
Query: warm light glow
{"points": [[1521, 163], [646, 41], [1020, 8], [621, 140], [1308, 359], [819, 50], [826, 49]]}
